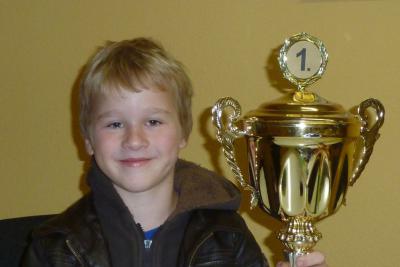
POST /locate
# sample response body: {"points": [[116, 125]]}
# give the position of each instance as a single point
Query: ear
{"points": [[89, 147], [183, 143]]}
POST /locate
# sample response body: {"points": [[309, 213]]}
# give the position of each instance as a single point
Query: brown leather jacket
{"points": [[212, 236]]}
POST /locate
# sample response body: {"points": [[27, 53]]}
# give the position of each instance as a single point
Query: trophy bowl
{"points": [[303, 151]]}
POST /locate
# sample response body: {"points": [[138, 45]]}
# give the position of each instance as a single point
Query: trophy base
{"points": [[299, 236]]}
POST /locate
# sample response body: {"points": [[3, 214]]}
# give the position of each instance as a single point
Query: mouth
{"points": [[134, 162]]}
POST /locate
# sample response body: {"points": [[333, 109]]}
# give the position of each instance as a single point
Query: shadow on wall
{"points": [[274, 73], [76, 133], [214, 149]]}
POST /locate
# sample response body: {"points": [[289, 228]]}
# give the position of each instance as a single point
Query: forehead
{"points": [[141, 99]]}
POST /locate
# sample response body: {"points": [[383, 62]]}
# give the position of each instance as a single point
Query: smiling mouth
{"points": [[134, 162]]}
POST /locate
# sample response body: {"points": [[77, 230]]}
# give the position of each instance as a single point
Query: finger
{"points": [[314, 258], [282, 264]]}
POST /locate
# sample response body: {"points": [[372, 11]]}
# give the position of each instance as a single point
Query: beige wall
{"points": [[226, 46]]}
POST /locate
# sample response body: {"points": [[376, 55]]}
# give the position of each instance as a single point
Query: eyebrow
{"points": [[105, 115], [158, 110], [150, 111]]}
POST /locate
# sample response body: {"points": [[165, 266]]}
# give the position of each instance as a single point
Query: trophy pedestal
{"points": [[298, 236]]}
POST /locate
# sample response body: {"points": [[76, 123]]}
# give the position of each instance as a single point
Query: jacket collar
{"points": [[199, 188]]}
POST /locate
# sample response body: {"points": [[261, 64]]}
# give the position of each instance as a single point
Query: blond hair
{"points": [[135, 65]]}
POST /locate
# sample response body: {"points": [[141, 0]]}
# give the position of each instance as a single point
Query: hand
{"points": [[314, 259]]}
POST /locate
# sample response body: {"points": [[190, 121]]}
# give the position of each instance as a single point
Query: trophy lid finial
{"points": [[303, 59]]}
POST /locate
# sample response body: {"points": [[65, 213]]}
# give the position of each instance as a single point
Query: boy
{"points": [[146, 207]]}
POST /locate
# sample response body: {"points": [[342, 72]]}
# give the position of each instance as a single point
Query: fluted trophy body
{"points": [[303, 153], [300, 177]]}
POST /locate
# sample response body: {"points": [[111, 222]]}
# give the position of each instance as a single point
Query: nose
{"points": [[135, 138]]}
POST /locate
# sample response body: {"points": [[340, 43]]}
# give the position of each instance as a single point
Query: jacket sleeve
{"points": [[251, 252], [33, 257], [48, 252], [219, 238]]}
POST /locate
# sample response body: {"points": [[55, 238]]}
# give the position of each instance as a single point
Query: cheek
{"points": [[103, 143], [170, 141]]}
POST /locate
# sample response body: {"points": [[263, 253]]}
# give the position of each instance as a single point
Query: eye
{"points": [[115, 125], [154, 123]]}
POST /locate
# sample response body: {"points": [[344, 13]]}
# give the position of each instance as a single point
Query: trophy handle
{"points": [[226, 135], [369, 134]]}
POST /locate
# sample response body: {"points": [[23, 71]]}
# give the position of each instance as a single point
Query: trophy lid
{"points": [[300, 104], [302, 59], [301, 114]]}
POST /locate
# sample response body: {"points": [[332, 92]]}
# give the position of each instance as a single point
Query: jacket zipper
{"points": [[76, 254], [197, 248]]}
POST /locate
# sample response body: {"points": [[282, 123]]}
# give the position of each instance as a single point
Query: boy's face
{"points": [[135, 138]]}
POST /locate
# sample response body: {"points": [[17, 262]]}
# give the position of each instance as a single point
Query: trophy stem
{"points": [[291, 257], [299, 236]]}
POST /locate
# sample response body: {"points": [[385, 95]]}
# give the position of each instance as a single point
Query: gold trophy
{"points": [[303, 151]]}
